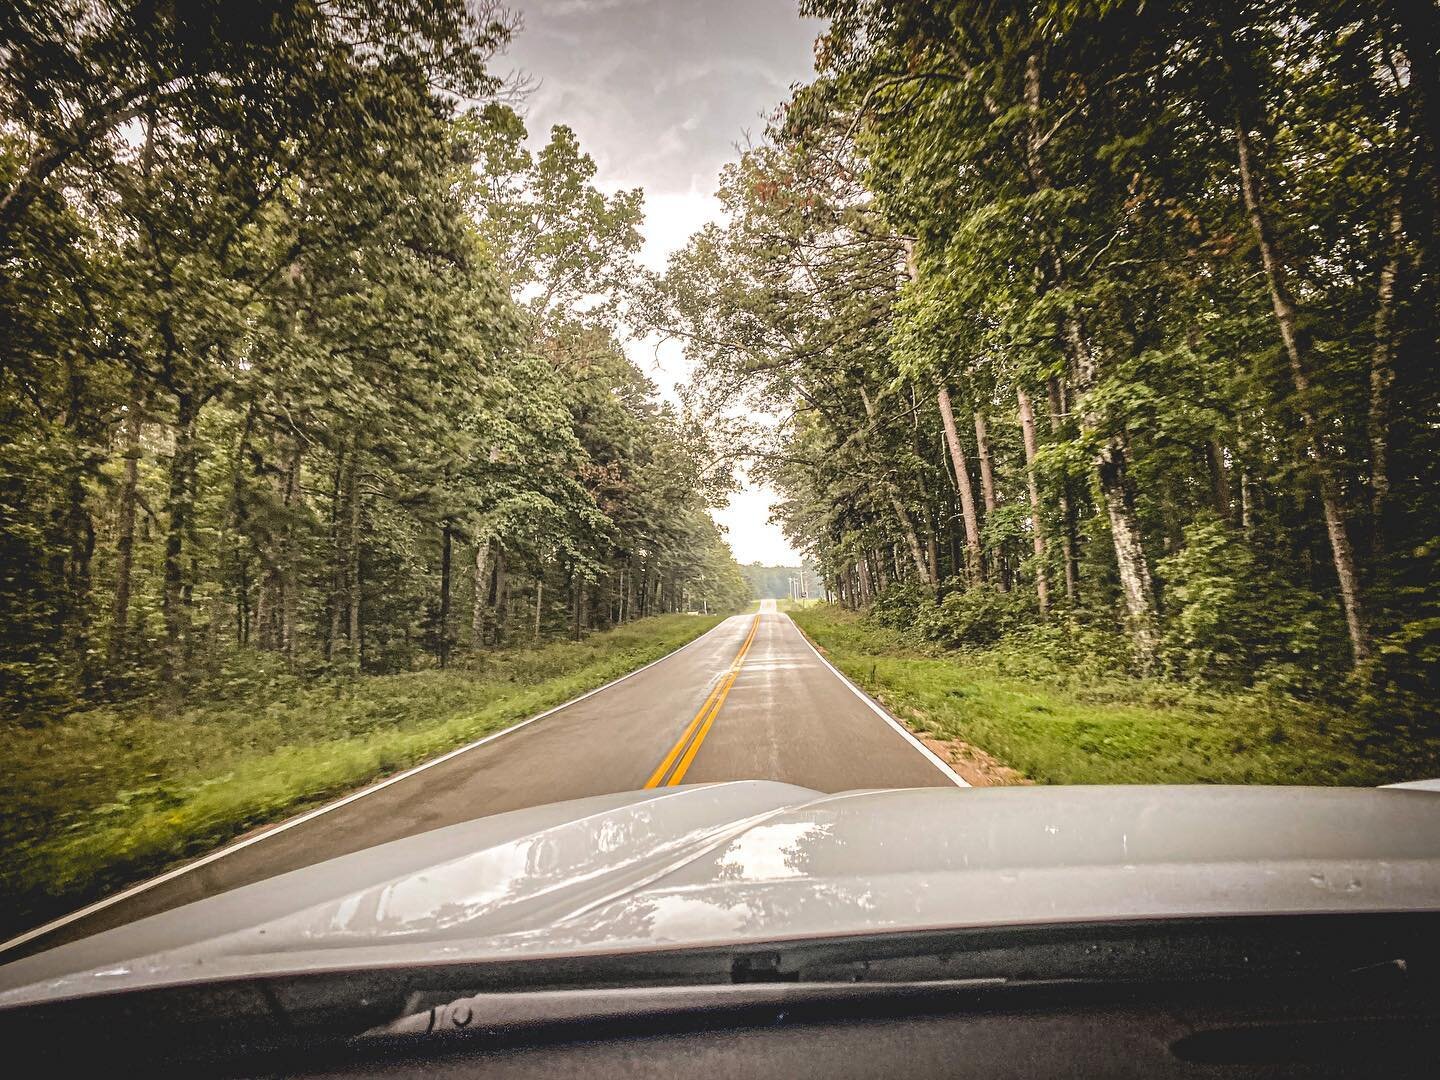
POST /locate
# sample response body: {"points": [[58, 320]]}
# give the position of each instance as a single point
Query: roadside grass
{"points": [[1060, 728], [105, 796]]}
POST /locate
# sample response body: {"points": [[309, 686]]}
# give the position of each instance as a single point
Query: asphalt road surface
{"points": [[748, 700]]}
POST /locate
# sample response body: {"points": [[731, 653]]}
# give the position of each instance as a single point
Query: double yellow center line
{"points": [[689, 744]]}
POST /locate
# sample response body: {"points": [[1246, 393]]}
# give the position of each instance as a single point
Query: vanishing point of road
{"points": [[748, 700]]}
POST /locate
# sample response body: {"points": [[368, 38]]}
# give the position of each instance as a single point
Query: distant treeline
{"points": [[774, 581]]}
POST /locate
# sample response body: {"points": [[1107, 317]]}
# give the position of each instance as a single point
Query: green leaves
{"points": [[366, 333], [563, 244], [1065, 183]]}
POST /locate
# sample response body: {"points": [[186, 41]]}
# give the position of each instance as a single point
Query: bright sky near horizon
{"points": [[660, 93]]}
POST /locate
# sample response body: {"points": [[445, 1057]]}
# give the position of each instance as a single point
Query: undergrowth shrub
{"points": [[1399, 686], [896, 606], [968, 618], [975, 618], [1231, 618], [1065, 645]]}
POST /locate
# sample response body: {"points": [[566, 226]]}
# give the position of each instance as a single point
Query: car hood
{"points": [[757, 861]]}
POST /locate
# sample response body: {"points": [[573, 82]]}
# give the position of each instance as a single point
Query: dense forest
{"points": [[1112, 325], [310, 362]]}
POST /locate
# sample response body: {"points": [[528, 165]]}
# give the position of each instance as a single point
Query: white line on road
{"points": [[310, 815], [934, 759]]}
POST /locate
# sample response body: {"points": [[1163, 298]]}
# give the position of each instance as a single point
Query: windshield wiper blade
{"points": [[512, 1012]]}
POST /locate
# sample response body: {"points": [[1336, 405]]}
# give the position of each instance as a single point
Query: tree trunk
{"points": [[902, 515], [539, 602], [125, 528], [79, 530], [242, 603], [1068, 540], [264, 640], [339, 562], [179, 510], [234, 507], [1244, 455], [1130, 559], [912, 538], [1131, 562], [357, 650], [987, 462], [968, 516], [502, 593], [954, 539], [482, 593], [447, 544], [1037, 527], [1286, 320], [999, 570], [289, 570], [1382, 376], [1219, 478]]}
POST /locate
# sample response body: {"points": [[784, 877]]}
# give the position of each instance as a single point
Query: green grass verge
{"points": [[111, 794], [1060, 729]]}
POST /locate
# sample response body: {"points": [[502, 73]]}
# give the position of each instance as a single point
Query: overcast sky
{"points": [[660, 92]]}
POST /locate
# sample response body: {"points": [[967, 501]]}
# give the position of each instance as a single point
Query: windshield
{"points": [[609, 475]]}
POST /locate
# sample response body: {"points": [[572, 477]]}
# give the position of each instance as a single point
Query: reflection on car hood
{"points": [[758, 861]]}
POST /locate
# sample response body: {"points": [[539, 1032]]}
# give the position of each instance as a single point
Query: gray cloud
{"points": [[660, 91]]}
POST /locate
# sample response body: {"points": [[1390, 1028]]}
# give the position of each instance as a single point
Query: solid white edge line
{"points": [[875, 707], [309, 815]]}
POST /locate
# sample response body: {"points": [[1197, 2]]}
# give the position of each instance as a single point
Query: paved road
{"points": [[748, 700]]}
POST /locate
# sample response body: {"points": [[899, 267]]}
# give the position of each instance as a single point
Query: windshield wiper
{"points": [[513, 1013], [950, 969]]}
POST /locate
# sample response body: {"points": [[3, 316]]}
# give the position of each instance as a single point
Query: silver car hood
{"points": [[758, 861]]}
